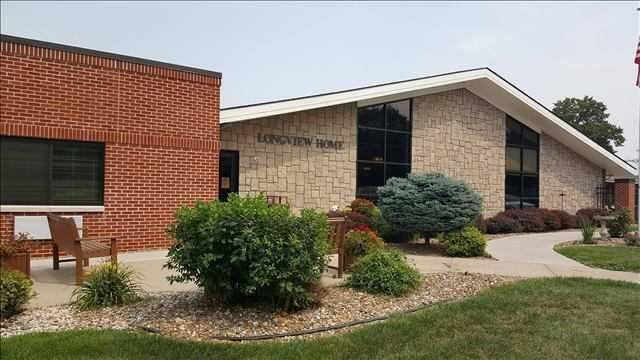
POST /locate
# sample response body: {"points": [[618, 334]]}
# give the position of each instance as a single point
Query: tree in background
{"points": [[590, 117]]}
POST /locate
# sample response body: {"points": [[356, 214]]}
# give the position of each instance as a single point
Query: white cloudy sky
{"points": [[271, 50]]}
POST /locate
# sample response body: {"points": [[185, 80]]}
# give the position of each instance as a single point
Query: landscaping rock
{"points": [[189, 315]]}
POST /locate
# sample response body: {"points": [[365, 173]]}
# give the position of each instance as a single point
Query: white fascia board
{"points": [[315, 102]]}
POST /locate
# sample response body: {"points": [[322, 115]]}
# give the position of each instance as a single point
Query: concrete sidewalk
{"points": [[528, 255]]}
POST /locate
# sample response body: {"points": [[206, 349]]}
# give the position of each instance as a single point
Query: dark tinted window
{"points": [[399, 115], [44, 172], [370, 144], [398, 147], [371, 116], [369, 177], [521, 166], [384, 145]]}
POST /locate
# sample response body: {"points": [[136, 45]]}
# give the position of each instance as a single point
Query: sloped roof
{"points": [[483, 82]]}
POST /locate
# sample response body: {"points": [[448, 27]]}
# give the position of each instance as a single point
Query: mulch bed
{"points": [[188, 315]]}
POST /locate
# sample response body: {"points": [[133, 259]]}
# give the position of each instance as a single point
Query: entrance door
{"points": [[229, 160]]}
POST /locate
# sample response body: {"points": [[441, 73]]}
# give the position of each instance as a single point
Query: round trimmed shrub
{"points": [[243, 250], [589, 213], [465, 243], [384, 272], [567, 220], [107, 285], [552, 220], [15, 291], [361, 241], [531, 220], [363, 206], [619, 226], [501, 224], [428, 203]]}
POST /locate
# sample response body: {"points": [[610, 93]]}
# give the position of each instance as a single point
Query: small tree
{"points": [[428, 204]]}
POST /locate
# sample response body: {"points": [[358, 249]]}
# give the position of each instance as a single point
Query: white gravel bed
{"points": [[188, 315]]}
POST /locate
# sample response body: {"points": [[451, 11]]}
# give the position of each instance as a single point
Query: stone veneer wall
{"points": [[461, 135], [309, 177], [562, 170]]}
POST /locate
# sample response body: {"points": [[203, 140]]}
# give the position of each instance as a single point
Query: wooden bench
{"points": [[337, 229], [64, 236]]}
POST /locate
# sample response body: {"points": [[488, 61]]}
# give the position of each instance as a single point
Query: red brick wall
{"points": [[160, 126], [625, 195]]}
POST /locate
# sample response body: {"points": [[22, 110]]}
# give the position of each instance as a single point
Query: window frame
{"points": [[385, 131], [50, 203], [521, 174]]}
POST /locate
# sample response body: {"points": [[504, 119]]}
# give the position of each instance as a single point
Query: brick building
{"points": [[120, 142]]}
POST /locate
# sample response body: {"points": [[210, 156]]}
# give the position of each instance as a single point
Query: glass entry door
{"points": [[229, 170]]}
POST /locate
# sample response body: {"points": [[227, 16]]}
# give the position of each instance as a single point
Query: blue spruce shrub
{"points": [[428, 203]]}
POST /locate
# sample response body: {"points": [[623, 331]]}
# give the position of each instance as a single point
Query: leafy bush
{"points": [[619, 226], [531, 220], [632, 239], [243, 250], [501, 224], [567, 220], [363, 206], [361, 241], [11, 247], [15, 291], [587, 228], [552, 220], [465, 243], [428, 203], [480, 223], [589, 213], [355, 219], [107, 285], [384, 272]]}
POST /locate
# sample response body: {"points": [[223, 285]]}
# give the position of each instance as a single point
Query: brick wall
{"points": [[160, 127], [310, 177], [461, 135], [562, 171]]}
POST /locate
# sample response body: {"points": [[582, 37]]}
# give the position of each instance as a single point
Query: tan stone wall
{"points": [[461, 135], [309, 177], [454, 132], [564, 171]]}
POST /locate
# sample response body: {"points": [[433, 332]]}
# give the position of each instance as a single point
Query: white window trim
{"points": [[50, 208]]}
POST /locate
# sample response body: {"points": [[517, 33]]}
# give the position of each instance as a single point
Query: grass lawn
{"points": [[534, 319], [621, 258]]}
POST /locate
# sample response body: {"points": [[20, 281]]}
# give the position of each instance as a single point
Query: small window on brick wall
{"points": [[51, 172]]}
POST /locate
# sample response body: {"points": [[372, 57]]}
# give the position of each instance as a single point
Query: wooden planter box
{"points": [[19, 262]]}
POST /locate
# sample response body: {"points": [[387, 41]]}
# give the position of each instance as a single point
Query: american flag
{"points": [[637, 61]]}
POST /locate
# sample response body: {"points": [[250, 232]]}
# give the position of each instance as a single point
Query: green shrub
{"points": [[620, 224], [361, 241], [107, 285], [465, 243], [589, 213], [384, 272], [15, 291], [501, 224], [428, 203], [587, 228], [242, 250], [363, 206]]}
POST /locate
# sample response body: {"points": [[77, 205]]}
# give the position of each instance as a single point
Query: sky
{"points": [[273, 50]]}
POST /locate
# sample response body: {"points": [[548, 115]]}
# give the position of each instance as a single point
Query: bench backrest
{"points": [[64, 232]]}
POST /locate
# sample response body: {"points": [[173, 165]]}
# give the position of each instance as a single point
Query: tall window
{"points": [[384, 145], [46, 172], [522, 170]]}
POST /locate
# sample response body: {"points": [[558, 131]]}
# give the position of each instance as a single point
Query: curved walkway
{"points": [[526, 255]]}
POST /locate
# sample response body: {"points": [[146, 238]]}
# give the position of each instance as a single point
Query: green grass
{"points": [[621, 258], [561, 318]]}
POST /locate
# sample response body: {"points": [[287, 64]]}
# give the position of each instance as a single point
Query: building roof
{"points": [[483, 82], [106, 55]]}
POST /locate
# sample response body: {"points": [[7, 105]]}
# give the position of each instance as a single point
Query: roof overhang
{"points": [[483, 82]]}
